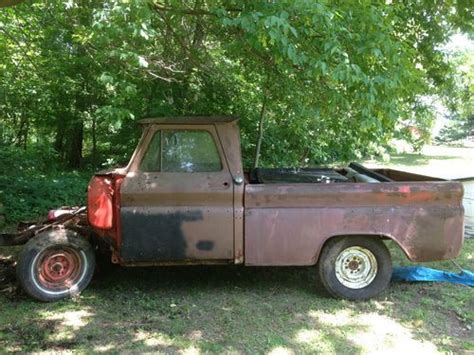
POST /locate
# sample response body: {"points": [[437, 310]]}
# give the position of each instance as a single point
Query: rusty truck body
{"points": [[184, 198]]}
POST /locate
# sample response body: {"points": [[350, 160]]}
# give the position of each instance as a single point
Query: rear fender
{"points": [[378, 236]]}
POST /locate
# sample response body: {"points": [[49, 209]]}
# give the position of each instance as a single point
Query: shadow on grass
{"points": [[211, 309], [207, 309]]}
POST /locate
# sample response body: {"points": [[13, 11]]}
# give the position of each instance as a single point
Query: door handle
{"points": [[238, 180]]}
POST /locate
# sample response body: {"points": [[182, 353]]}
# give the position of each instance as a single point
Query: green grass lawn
{"points": [[439, 161], [249, 310]]}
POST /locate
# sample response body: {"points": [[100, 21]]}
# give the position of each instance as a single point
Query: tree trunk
{"points": [[74, 144], [25, 133], [94, 142], [59, 137], [198, 35], [260, 129], [19, 134], [22, 135]]}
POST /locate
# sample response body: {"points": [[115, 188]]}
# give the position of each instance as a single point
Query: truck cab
{"points": [[181, 196]]}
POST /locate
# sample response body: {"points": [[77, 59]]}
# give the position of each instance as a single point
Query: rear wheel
{"points": [[56, 264], [355, 268]]}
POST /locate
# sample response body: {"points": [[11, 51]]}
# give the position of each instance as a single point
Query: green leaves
{"points": [[37, 183], [334, 76]]}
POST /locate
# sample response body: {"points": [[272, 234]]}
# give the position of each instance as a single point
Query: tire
{"points": [[355, 268], [56, 264]]}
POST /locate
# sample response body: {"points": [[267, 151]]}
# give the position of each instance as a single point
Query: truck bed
{"points": [[287, 223], [295, 175], [353, 173]]}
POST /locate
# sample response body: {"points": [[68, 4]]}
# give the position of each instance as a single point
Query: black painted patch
{"points": [[205, 245], [148, 237]]}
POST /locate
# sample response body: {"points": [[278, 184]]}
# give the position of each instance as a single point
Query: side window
{"points": [[182, 151]]}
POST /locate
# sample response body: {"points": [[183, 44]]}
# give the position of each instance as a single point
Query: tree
{"points": [[321, 81], [460, 98]]}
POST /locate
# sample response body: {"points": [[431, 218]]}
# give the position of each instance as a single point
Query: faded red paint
{"points": [[104, 208], [220, 220], [99, 202], [288, 224]]}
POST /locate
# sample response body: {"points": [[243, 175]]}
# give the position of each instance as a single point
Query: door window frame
{"points": [[149, 135]]}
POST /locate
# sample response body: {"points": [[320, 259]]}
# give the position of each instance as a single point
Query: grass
{"points": [[240, 310], [439, 161]]}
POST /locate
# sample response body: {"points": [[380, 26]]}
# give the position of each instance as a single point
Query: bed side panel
{"points": [[288, 224]]}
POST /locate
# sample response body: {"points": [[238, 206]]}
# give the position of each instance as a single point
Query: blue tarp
{"points": [[420, 273]]}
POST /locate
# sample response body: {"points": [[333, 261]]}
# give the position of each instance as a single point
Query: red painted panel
{"points": [[99, 202]]}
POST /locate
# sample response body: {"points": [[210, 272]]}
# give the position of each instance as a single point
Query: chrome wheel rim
{"points": [[356, 267]]}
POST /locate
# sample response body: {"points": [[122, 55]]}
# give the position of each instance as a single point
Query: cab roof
{"points": [[189, 120]]}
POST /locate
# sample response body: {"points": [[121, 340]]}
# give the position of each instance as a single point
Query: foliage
{"points": [[36, 183], [325, 78], [461, 99], [456, 130]]}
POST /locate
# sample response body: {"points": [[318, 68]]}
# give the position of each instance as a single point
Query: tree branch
{"points": [[5, 3], [260, 125], [188, 11], [19, 46]]}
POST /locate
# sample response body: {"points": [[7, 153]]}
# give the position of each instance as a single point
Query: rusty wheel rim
{"points": [[356, 267], [59, 269]]}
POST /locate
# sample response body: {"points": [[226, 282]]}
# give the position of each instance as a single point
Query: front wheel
{"points": [[56, 264], [355, 268]]}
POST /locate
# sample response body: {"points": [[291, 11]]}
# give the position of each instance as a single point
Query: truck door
{"points": [[177, 198]]}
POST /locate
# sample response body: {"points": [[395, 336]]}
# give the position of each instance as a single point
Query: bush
{"points": [[33, 181]]}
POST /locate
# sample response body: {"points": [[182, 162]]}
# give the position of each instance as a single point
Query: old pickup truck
{"points": [[185, 199]]}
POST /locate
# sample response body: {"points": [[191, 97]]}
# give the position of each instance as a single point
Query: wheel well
{"points": [[85, 233], [379, 236]]}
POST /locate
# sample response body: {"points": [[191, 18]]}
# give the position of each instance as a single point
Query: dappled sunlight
{"points": [[324, 338], [192, 350], [374, 333], [390, 335], [153, 339], [248, 310], [104, 348], [67, 324], [73, 319], [382, 305], [12, 349], [307, 336], [470, 257], [281, 350], [315, 340]]}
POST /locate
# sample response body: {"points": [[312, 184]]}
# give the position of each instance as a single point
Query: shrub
{"points": [[33, 181]]}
